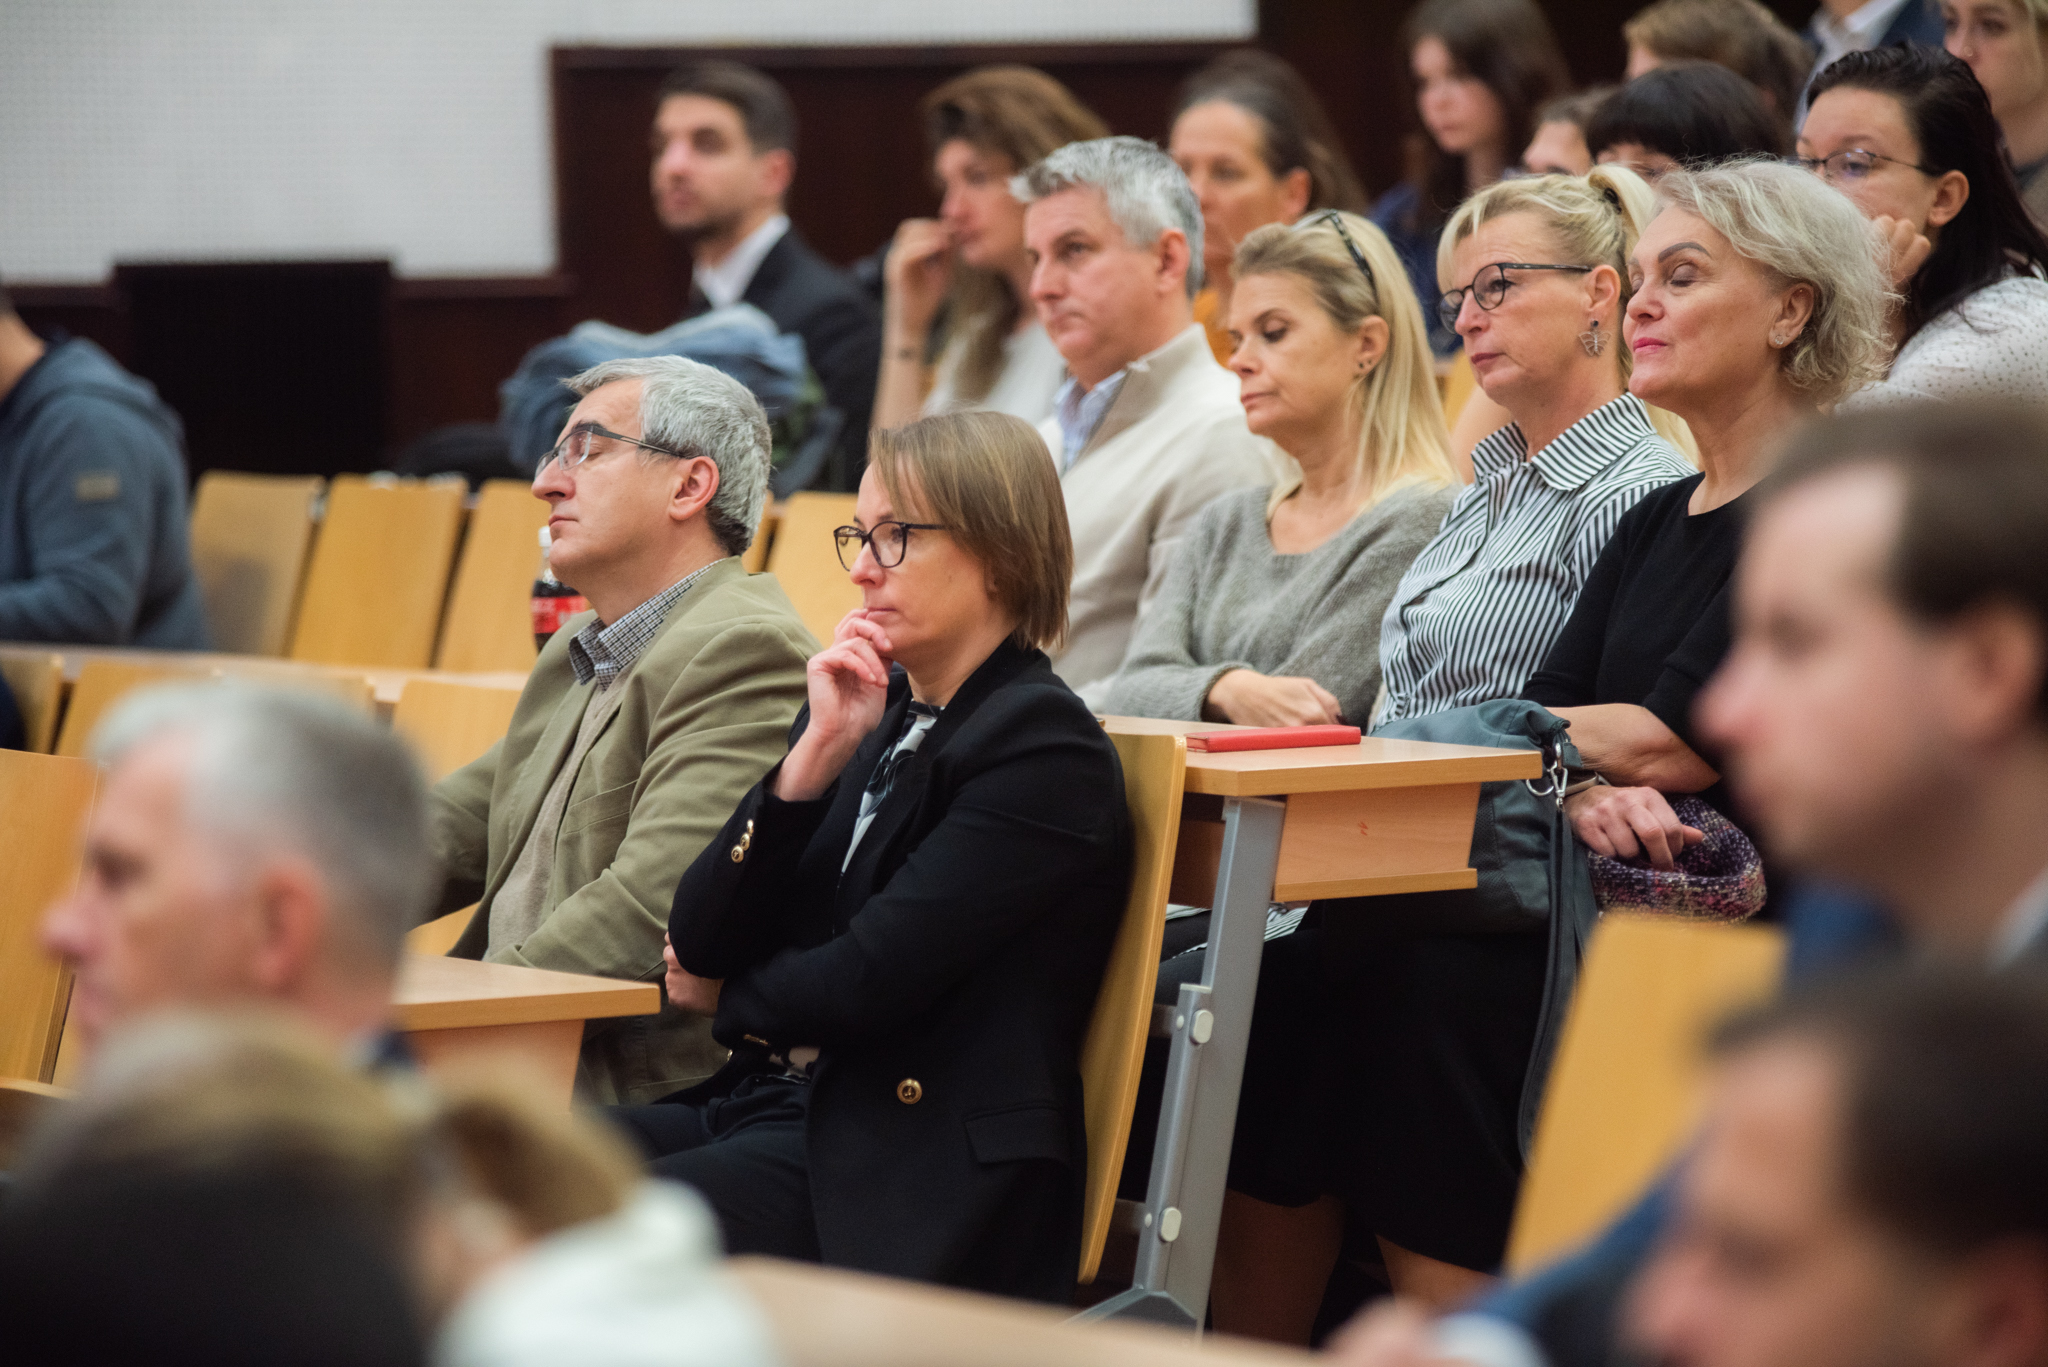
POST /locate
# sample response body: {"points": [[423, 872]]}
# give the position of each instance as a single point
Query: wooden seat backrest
{"points": [[756, 558], [1113, 1052], [1624, 1093], [379, 573], [806, 564], [101, 684], [44, 803], [450, 724], [37, 681], [489, 623], [250, 539]]}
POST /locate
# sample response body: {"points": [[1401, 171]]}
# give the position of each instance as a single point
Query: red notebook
{"points": [[1274, 738]]}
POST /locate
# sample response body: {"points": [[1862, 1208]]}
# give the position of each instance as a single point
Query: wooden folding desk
{"points": [[1259, 827], [455, 1010]]}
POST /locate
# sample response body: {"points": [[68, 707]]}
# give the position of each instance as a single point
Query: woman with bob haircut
{"points": [[1270, 613], [1907, 134], [1683, 114], [1759, 303], [903, 927], [961, 280]]}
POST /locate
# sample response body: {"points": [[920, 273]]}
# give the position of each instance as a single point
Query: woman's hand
{"points": [[848, 683], [686, 989], [1624, 822], [1906, 246], [916, 274], [1252, 699]]}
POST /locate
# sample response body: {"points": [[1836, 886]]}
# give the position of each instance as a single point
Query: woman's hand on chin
{"points": [[1906, 247], [848, 683], [1252, 699]]}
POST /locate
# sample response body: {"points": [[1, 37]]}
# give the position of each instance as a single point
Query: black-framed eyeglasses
{"points": [[887, 541], [1489, 287], [577, 444], [1336, 220], [1852, 164]]}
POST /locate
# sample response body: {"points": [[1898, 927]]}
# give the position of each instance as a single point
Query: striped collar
{"points": [[1580, 452], [603, 652]]}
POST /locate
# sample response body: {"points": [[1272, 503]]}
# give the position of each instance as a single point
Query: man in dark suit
{"points": [[1840, 27], [724, 156]]}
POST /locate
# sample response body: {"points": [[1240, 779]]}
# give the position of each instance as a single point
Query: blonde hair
{"points": [[1797, 228], [1594, 220], [1402, 436], [986, 477]]}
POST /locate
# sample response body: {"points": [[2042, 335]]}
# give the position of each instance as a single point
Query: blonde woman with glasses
{"points": [[1270, 613]]}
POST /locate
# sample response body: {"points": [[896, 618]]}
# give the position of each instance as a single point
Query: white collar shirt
{"points": [[724, 283], [1840, 37], [2025, 924]]}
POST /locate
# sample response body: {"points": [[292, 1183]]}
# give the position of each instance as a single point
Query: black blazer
{"points": [[807, 295], [947, 977]]}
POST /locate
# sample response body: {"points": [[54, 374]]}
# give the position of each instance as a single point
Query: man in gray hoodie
{"points": [[93, 546]]}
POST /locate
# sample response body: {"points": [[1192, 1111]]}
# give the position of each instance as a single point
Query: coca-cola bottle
{"points": [[553, 601]]}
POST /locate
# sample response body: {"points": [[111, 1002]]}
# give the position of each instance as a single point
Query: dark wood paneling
{"points": [[453, 341], [91, 311]]}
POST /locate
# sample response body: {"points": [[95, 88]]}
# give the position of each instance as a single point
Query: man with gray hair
{"points": [[250, 845], [1148, 427], [645, 720]]}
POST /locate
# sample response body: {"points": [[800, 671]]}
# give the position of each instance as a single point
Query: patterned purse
{"points": [[1719, 879]]}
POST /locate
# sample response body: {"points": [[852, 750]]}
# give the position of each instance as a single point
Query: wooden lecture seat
{"points": [[756, 558], [379, 572], [37, 681], [44, 802], [1624, 1093], [450, 724], [489, 622], [101, 684], [250, 536], [1113, 1052], [439, 935], [806, 564]]}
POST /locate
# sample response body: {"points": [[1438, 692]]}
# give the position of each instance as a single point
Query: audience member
{"points": [[1270, 613], [1757, 302], [1907, 134], [724, 155], [1544, 266], [1147, 428], [1683, 115], [967, 269], [644, 721], [1558, 147], [1258, 147], [93, 546], [1840, 27], [903, 926], [1482, 68], [2006, 44], [249, 845], [1739, 34], [1868, 1185]]}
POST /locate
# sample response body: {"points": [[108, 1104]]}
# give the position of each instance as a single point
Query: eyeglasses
{"points": [[886, 541], [1852, 164], [576, 447], [1336, 220], [1489, 287]]}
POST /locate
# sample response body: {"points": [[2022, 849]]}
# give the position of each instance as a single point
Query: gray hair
{"points": [[1147, 194], [275, 771], [1798, 228], [689, 407]]}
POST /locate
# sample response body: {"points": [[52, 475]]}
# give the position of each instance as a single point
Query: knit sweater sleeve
{"points": [[1162, 675]]}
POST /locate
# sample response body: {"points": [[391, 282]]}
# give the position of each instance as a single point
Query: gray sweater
{"points": [[1230, 601]]}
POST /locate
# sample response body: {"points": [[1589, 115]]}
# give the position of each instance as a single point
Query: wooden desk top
{"points": [[1372, 763], [439, 993], [826, 1317], [386, 684]]}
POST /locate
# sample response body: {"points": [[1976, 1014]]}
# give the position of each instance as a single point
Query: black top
{"points": [[1651, 625], [947, 976]]}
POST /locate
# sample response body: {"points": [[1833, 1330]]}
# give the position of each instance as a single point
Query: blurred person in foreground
{"points": [[249, 846], [1147, 428], [644, 720], [235, 1195]]}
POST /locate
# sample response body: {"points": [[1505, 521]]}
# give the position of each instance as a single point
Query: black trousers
{"points": [[745, 1153]]}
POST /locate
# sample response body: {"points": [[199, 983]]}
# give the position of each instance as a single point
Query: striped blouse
{"points": [[1478, 610]]}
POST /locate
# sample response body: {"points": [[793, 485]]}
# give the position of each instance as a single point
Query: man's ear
{"points": [[291, 924], [694, 483], [1999, 659], [775, 170], [1174, 261]]}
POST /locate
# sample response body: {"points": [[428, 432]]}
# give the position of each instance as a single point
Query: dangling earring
{"points": [[1592, 341]]}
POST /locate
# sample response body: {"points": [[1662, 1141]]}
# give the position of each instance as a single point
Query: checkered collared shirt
{"points": [[603, 652]]}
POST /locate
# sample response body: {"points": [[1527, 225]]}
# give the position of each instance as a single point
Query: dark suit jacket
{"points": [[947, 977], [807, 295], [1918, 21]]}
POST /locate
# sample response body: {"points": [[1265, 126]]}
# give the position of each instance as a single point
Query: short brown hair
{"points": [[1738, 34], [989, 480], [764, 107]]}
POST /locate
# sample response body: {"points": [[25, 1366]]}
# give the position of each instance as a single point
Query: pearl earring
{"points": [[1592, 341]]}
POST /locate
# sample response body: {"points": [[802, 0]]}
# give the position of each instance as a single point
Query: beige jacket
{"points": [[1173, 439], [707, 712]]}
